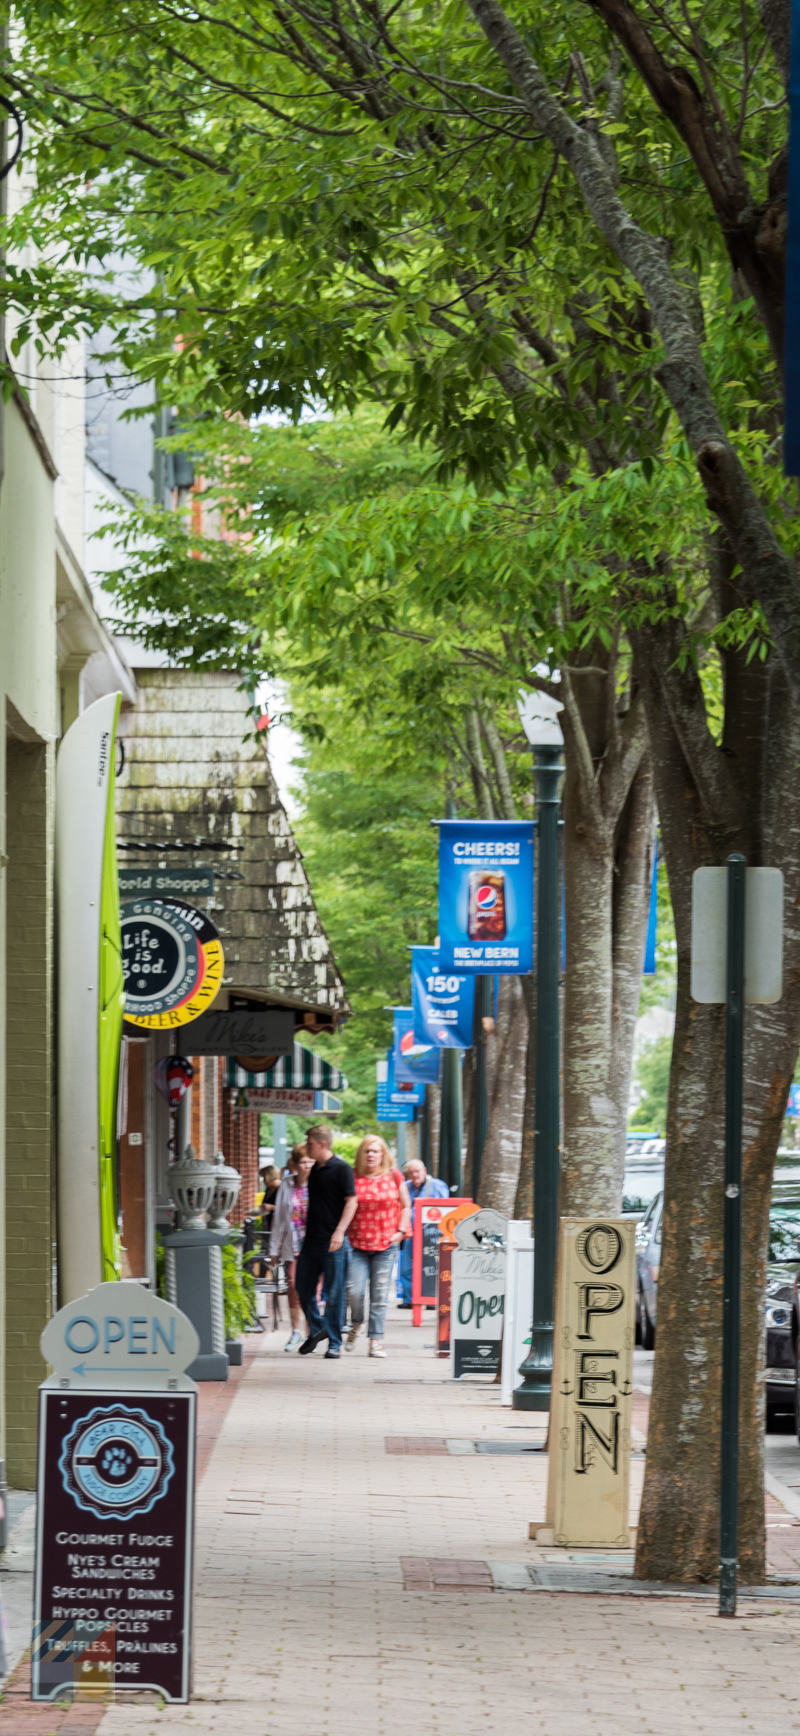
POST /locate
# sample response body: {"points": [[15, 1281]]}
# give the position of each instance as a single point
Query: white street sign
{"points": [[763, 944]]}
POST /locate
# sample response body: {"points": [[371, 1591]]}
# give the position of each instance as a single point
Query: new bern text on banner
{"points": [[486, 896]]}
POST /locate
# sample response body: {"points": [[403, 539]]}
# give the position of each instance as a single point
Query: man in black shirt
{"points": [[331, 1207]]}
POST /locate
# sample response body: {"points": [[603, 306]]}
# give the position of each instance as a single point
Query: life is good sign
{"points": [[486, 897], [115, 1499], [589, 1469]]}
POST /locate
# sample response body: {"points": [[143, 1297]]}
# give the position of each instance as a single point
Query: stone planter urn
{"points": [[192, 1184], [226, 1193]]}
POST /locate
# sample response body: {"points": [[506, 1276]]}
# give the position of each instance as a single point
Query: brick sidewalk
{"points": [[306, 1523], [19, 1715]]}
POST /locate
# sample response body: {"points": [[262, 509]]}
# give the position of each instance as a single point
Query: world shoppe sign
{"points": [[115, 1490]]}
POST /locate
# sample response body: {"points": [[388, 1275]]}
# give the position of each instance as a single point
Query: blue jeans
{"points": [[314, 1261], [378, 1268]]}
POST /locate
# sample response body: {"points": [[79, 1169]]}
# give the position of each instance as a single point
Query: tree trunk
{"points": [[501, 1153], [635, 850], [710, 802], [608, 825]]}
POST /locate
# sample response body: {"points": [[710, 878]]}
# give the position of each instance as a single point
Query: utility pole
{"points": [[484, 1006], [452, 1115]]}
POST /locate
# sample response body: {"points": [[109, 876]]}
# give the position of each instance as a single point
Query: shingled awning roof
{"points": [[300, 1071], [194, 775]]}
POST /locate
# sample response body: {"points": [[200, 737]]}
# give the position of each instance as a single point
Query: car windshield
{"points": [[784, 1232]]}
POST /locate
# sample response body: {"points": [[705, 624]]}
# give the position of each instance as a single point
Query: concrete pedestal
{"points": [[193, 1268]]}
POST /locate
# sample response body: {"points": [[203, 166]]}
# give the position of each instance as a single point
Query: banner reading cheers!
{"points": [[486, 897]]}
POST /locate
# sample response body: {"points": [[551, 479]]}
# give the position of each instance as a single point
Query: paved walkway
{"points": [[351, 1543], [308, 1529]]}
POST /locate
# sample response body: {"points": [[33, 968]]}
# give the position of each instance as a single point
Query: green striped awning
{"points": [[300, 1071]]}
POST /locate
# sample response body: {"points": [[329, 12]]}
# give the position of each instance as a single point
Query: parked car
{"points": [[783, 1311], [648, 1261], [782, 1302], [643, 1179]]}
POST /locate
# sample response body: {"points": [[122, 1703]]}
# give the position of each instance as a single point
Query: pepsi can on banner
{"points": [[486, 897], [487, 906]]}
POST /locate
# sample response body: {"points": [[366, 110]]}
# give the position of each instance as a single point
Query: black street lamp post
{"points": [[537, 1369]]}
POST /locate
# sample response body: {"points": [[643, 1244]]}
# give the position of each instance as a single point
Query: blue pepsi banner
{"points": [[414, 1063], [486, 897], [652, 922], [401, 1090], [386, 1111], [443, 1002]]}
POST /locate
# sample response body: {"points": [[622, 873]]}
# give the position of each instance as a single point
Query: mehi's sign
{"points": [[173, 962], [486, 897]]}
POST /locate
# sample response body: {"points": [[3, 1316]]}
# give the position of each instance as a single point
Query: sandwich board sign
{"points": [[115, 1499], [589, 1468], [427, 1217], [477, 1295], [444, 1281]]}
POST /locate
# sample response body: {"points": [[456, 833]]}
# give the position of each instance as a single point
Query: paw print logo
{"points": [[115, 1461]]}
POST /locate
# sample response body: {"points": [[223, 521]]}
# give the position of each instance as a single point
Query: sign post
{"points": [[737, 957], [115, 1499]]}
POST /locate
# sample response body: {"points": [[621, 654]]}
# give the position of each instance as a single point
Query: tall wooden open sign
{"points": [[590, 1425]]}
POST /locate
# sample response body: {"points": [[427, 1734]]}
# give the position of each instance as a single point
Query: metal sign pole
{"points": [[732, 1267]]}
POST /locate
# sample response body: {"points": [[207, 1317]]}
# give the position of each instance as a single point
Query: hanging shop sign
{"points": [[414, 1062], [284, 1100], [589, 1470], [486, 897], [152, 882], [115, 1499], [255, 1035], [173, 962], [443, 1002], [477, 1293]]}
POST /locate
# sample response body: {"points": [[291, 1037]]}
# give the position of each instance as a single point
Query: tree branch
{"points": [[769, 572]]}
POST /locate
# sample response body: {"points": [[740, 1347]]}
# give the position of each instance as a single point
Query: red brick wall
{"points": [[240, 1145]]}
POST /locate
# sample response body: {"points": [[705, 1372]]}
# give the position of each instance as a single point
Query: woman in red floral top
{"points": [[382, 1219]]}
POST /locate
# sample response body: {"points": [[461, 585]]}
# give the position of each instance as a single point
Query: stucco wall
{"points": [[28, 685]]}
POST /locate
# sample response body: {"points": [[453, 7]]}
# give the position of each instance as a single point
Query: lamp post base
{"points": [[537, 1373]]}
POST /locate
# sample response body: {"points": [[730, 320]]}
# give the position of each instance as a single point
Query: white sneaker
{"points": [[350, 1341], [292, 1343], [376, 1347]]}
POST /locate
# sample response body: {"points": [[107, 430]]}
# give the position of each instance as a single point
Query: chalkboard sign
{"points": [[430, 1261], [427, 1221]]}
